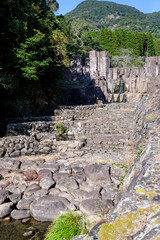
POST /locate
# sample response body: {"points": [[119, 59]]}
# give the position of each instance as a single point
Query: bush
{"points": [[66, 226], [60, 128]]}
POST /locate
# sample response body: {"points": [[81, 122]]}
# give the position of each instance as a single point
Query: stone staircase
{"points": [[110, 131]]}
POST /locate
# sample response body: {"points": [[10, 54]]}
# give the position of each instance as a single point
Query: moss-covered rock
{"points": [[126, 225]]}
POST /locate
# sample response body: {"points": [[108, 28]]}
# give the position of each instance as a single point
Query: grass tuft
{"points": [[66, 226]]}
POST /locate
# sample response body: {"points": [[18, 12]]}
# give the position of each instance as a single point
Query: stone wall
{"points": [[41, 137]]}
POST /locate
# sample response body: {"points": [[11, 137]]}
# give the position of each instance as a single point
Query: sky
{"points": [[145, 6]]}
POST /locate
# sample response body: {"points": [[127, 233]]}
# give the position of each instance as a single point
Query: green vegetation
{"points": [[100, 14], [60, 128], [149, 194], [36, 47], [33, 51], [140, 150], [103, 25], [129, 47], [66, 226]]}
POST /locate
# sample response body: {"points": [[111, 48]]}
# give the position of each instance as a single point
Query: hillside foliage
{"points": [[106, 14]]}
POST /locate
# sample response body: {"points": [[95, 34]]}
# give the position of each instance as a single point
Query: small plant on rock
{"points": [[66, 226], [140, 150], [60, 128]]}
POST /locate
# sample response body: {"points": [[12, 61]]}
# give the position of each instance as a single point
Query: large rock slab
{"points": [[95, 206], [5, 209], [48, 207], [67, 184], [97, 173], [10, 164]]}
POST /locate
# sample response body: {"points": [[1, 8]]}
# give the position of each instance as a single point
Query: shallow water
{"points": [[15, 230]]}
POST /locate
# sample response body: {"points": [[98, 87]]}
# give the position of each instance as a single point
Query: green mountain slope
{"points": [[97, 14]]}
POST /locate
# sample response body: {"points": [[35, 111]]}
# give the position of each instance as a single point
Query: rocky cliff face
{"points": [[137, 216], [94, 73]]}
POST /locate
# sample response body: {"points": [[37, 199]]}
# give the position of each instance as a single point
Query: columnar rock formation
{"points": [[95, 71]]}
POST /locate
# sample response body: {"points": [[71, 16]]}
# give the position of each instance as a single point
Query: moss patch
{"points": [[151, 116], [156, 238], [126, 225], [149, 194]]}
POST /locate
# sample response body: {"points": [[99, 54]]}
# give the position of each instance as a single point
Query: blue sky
{"points": [[146, 6]]}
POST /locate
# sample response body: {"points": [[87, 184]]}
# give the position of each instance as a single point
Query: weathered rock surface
{"points": [[15, 198], [48, 207], [138, 207], [97, 173], [95, 206], [5, 209], [25, 203], [47, 182], [20, 214], [3, 195], [82, 237]]}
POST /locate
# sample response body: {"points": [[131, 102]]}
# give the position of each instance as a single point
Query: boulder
{"points": [[28, 165], [20, 214], [50, 166], [31, 190], [44, 173], [77, 170], [9, 163], [3, 195], [65, 169], [25, 203], [95, 206], [54, 191], [16, 189], [3, 184], [5, 209], [14, 198], [97, 173], [90, 187], [30, 175], [48, 207], [95, 194], [82, 237], [58, 175], [40, 193], [66, 195], [47, 183], [79, 194], [80, 177], [67, 184]]}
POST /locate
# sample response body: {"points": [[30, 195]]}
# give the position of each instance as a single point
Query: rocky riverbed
{"points": [[113, 145], [27, 229]]}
